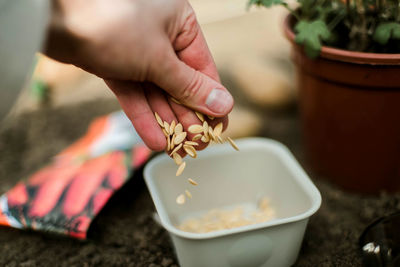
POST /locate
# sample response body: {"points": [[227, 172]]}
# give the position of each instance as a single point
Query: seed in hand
{"points": [[176, 140]]}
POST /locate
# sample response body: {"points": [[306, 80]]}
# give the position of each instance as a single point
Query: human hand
{"points": [[145, 50]]}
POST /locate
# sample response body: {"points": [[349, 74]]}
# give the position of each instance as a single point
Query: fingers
{"points": [[192, 87], [134, 103], [224, 120], [191, 48], [188, 73], [170, 111], [158, 103], [187, 117]]}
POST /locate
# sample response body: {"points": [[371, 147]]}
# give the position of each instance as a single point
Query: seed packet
{"points": [[65, 196]]}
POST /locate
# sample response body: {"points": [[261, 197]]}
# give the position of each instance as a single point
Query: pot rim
{"points": [[337, 54]]}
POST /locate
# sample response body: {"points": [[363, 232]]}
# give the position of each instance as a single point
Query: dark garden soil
{"points": [[124, 234]]}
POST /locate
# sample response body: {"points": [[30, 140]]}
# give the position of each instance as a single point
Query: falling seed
{"points": [[177, 158], [218, 129], [180, 168], [172, 127], [195, 129], [197, 137], [176, 149], [158, 119], [233, 143], [191, 143], [190, 150], [166, 127], [176, 101], [179, 138], [200, 116], [176, 136], [178, 128], [180, 199], [193, 182]]}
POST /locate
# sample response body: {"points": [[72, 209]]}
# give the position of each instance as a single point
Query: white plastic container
{"points": [[262, 168]]}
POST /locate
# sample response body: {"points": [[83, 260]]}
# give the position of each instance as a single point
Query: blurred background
{"points": [[250, 51]]}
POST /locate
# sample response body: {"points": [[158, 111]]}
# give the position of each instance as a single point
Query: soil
{"points": [[124, 233]]}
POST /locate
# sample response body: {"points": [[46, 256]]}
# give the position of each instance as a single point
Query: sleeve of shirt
{"points": [[23, 25]]}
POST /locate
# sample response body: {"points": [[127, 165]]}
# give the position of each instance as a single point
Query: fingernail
{"points": [[219, 101]]}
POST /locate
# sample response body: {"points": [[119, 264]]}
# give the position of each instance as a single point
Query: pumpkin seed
{"points": [[205, 128], [205, 139], [190, 150], [181, 168], [180, 199], [218, 129], [193, 182], [211, 133], [191, 143], [158, 119], [168, 144], [172, 127], [197, 137], [195, 129], [200, 116], [165, 133], [172, 142], [233, 144], [178, 128], [177, 158], [176, 149], [166, 127], [179, 138]]}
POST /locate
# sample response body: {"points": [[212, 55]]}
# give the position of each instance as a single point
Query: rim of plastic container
{"points": [[254, 142]]}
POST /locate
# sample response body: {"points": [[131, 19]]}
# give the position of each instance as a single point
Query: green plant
{"points": [[357, 25]]}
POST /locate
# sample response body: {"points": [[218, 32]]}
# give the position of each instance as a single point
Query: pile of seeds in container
{"points": [[177, 141], [221, 219]]}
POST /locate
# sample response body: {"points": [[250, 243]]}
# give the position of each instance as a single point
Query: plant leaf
{"points": [[386, 31], [310, 34], [266, 3]]}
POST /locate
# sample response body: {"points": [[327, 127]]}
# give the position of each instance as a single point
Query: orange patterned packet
{"points": [[66, 195]]}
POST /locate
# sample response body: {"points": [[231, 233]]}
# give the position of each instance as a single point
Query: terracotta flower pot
{"points": [[350, 110]]}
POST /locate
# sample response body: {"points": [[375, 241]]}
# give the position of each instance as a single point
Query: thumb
{"points": [[192, 87]]}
